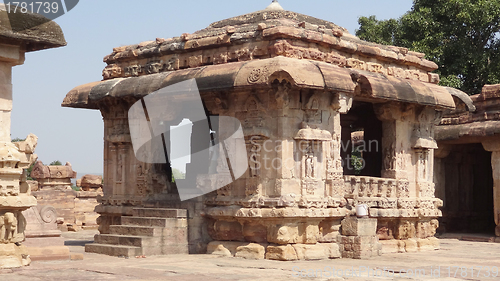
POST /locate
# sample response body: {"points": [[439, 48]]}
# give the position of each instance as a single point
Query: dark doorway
{"points": [[468, 202], [361, 141]]}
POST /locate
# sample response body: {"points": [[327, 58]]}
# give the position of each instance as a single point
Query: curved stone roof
{"points": [[262, 34], [259, 73], [465, 125], [253, 50], [32, 30]]}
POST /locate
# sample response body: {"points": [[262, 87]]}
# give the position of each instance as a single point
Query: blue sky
{"points": [[93, 28]]}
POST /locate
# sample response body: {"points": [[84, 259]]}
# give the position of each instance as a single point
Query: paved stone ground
{"points": [[454, 261]]}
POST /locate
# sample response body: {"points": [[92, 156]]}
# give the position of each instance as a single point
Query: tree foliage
{"points": [[17, 140], [55, 163], [177, 174], [461, 36]]}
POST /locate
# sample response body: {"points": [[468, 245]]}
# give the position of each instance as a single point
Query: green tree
{"points": [[28, 172], [461, 36], [177, 174], [55, 163], [17, 139]]}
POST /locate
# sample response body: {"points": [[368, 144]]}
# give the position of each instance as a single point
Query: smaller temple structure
{"points": [[75, 207], [15, 158], [467, 165], [53, 176], [54, 189]]}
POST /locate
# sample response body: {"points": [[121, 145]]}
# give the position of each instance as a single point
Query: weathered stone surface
{"points": [[410, 245], [392, 246], [89, 182], [405, 230], [311, 252], [428, 244], [222, 248], [255, 232], [12, 256], [284, 234], [227, 231], [281, 253], [329, 231], [34, 30], [353, 226], [251, 251]]}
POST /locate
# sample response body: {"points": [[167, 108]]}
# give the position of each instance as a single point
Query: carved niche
{"points": [[254, 108], [310, 171], [312, 110]]}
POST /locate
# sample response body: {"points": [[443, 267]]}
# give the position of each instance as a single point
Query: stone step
{"points": [[159, 213], [133, 241], [147, 245], [113, 250], [134, 230], [176, 249], [154, 221]]}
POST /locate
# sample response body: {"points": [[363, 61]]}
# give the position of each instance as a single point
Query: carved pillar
{"points": [[423, 145], [121, 172], [494, 146], [346, 143], [394, 153], [5, 100], [439, 177]]}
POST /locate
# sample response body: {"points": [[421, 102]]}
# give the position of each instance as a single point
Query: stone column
{"points": [[15, 194], [493, 145], [9, 56]]}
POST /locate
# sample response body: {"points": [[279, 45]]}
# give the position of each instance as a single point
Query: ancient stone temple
{"points": [[15, 193], [467, 165], [300, 87], [54, 189], [53, 176]]}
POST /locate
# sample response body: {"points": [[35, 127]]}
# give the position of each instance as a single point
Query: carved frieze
{"points": [[403, 189]]}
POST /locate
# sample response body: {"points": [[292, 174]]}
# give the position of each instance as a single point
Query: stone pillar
{"points": [[493, 145], [9, 56], [439, 171], [395, 145], [359, 238], [15, 194]]}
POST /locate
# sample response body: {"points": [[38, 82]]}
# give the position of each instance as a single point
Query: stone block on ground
{"points": [[310, 252], [223, 248], [411, 245], [281, 253], [392, 246], [353, 226], [252, 251]]}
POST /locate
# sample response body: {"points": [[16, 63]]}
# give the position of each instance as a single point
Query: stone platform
{"points": [[210, 267]]}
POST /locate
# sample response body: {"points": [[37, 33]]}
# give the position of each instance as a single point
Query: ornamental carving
{"points": [[258, 75]]}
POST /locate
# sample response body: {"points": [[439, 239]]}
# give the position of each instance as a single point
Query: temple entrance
{"points": [[361, 141], [465, 183]]}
